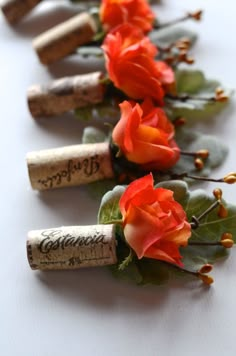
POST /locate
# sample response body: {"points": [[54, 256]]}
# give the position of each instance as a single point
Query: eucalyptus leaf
{"points": [[192, 141], [108, 110], [90, 51], [190, 81], [150, 271], [210, 229], [193, 82], [166, 36], [97, 189], [109, 209], [85, 114], [104, 111], [93, 135]]}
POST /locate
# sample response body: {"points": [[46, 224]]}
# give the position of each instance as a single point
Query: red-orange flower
{"points": [[146, 136], [155, 225], [135, 12], [131, 65]]}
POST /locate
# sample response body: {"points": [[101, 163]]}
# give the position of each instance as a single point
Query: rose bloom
{"points": [[155, 225], [130, 63], [145, 136], [135, 12]]}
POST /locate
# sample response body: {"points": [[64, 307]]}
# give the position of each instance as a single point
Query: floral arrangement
{"points": [[161, 228]]}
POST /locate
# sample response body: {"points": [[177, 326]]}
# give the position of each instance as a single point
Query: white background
{"points": [[87, 312]]}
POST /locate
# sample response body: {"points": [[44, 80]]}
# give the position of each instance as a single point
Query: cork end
{"points": [[29, 253]]}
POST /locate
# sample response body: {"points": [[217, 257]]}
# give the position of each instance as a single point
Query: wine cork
{"points": [[63, 39], [72, 247], [65, 94], [14, 10], [69, 166]]}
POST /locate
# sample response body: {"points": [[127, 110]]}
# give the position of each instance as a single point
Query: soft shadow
{"points": [[225, 115], [97, 288], [74, 65], [68, 127], [43, 18], [71, 205]]}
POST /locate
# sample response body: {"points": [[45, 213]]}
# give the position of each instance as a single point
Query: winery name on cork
{"points": [[51, 242], [89, 166]]}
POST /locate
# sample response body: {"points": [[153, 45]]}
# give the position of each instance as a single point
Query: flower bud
{"points": [[206, 268], [186, 41], [170, 59], [196, 15], [183, 57], [227, 243], [203, 154], [219, 91], [206, 279], [180, 121], [230, 178], [198, 162], [223, 98], [220, 95], [189, 60], [223, 212], [226, 236], [217, 193], [183, 44]]}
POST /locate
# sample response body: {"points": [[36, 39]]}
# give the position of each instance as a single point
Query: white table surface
{"points": [[87, 312]]}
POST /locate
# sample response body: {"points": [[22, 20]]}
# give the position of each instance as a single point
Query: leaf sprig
{"points": [[195, 256]]}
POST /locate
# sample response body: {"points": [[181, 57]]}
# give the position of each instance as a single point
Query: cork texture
{"points": [[72, 247], [65, 94], [69, 166], [15, 10], [63, 39]]}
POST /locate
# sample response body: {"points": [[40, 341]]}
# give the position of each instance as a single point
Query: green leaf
{"points": [[211, 229], [193, 82], [104, 111], [93, 135], [90, 51], [192, 141], [97, 189], [150, 271], [166, 36], [153, 271], [85, 113], [108, 111], [109, 209], [190, 82]]}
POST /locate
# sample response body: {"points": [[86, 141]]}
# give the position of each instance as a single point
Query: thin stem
{"points": [[115, 222], [182, 269], [205, 243], [196, 220], [186, 97], [185, 153], [172, 22], [126, 261], [205, 179]]}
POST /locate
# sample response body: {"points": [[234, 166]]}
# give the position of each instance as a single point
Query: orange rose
{"points": [[136, 12], [146, 136], [130, 63], [155, 225]]}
